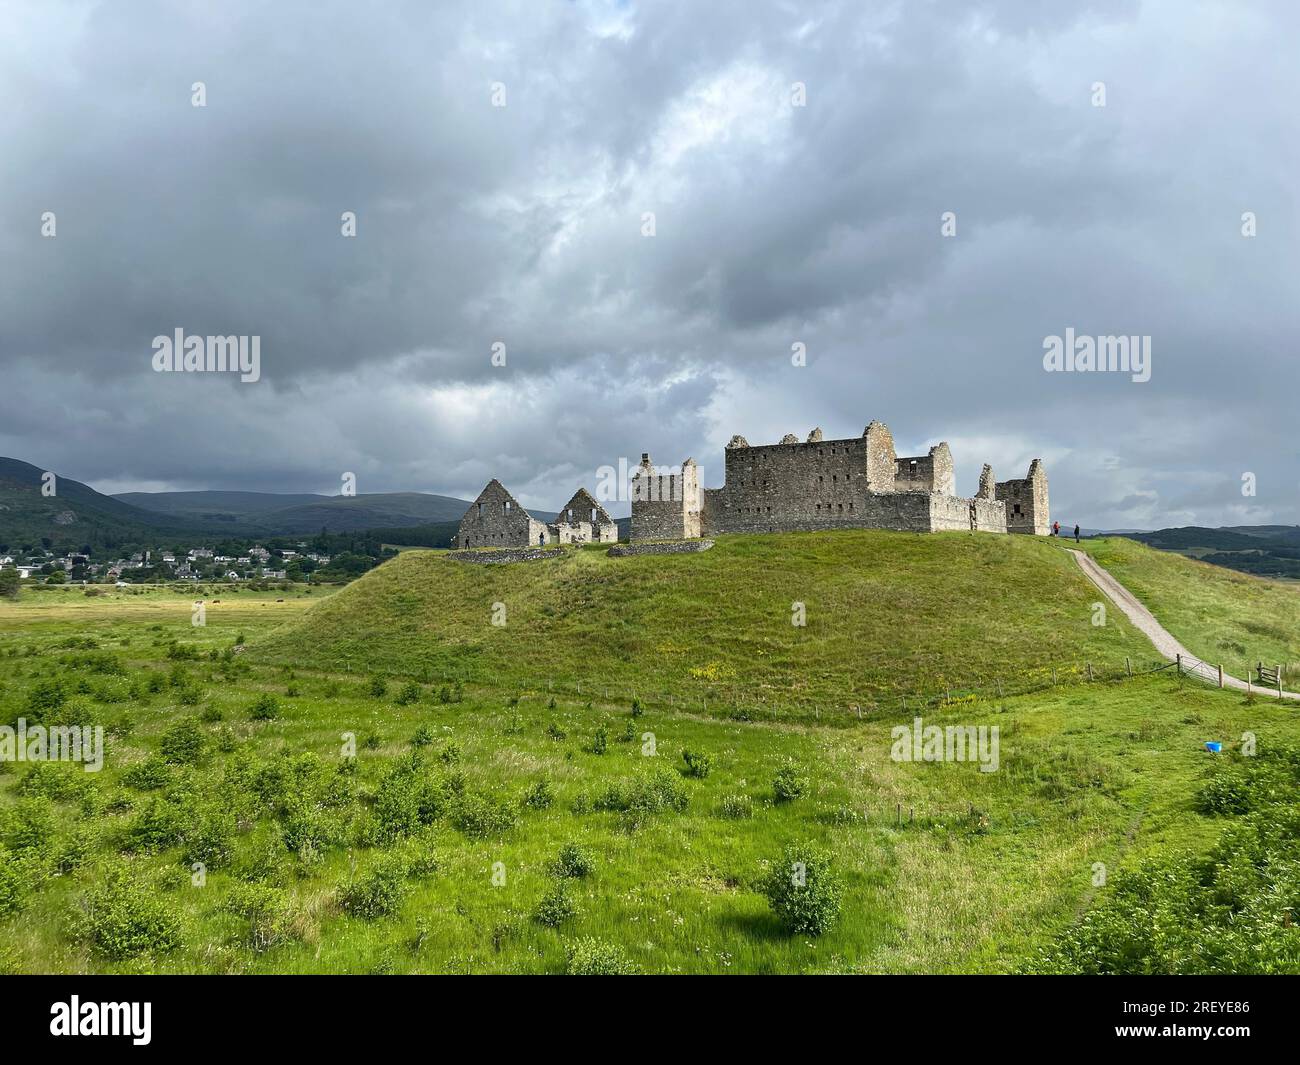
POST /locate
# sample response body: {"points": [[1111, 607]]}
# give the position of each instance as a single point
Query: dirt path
{"points": [[1161, 637]]}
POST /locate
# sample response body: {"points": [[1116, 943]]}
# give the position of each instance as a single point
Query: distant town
{"points": [[334, 559]]}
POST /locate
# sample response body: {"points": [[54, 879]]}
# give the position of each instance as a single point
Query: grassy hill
{"points": [[1222, 616], [1264, 550], [887, 614], [76, 512], [386, 863]]}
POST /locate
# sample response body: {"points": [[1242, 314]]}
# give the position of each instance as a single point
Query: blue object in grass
{"points": [[1213, 746]]}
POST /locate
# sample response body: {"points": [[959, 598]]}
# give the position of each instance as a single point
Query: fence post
{"points": [[1247, 678], [1279, 680], [1220, 674], [1178, 658], [1053, 676], [1089, 670], [1128, 665]]}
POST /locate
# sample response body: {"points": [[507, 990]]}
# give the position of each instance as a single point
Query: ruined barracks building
{"points": [[495, 519], [859, 483]]}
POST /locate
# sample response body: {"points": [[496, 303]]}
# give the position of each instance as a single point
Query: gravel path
{"points": [[1161, 637]]}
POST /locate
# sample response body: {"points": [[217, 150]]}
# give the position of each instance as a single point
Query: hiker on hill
{"points": [[1056, 528], [1076, 534]]}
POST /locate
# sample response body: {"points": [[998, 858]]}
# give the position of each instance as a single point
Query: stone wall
{"points": [[1027, 502], [678, 547], [584, 521], [666, 504], [495, 519]]}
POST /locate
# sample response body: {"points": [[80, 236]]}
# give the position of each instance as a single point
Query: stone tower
{"points": [[1026, 501], [666, 503]]}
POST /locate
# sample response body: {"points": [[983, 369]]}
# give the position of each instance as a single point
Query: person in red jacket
{"points": [[1056, 528]]}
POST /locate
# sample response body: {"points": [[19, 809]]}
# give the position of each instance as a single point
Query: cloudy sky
{"points": [[798, 160]]}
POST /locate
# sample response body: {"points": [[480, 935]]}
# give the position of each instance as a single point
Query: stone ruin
{"points": [[857, 483], [495, 519], [793, 486]]}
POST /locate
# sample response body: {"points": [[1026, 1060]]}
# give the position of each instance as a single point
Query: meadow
{"points": [[367, 813]]}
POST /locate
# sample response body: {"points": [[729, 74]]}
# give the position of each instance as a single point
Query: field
{"points": [[1223, 617], [441, 846]]}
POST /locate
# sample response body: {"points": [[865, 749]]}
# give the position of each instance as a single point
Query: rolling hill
{"points": [[887, 614]]}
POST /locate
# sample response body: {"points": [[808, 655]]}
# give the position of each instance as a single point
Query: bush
{"points": [[149, 775], [377, 687], [599, 742], [803, 890], [595, 957], [540, 795], [555, 907], [697, 764], [159, 824], [789, 783], [409, 694], [267, 708], [653, 792], [28, 825], [573, 862], [423, 737], [15, 882], [450, 754], [124, 916], [265, 908], [380, 892], [182, 744], [480, 817]]}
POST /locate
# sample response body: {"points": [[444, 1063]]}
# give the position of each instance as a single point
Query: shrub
{"points": [[380, 892], [480, 817], [267, 708], [599, 742], [377, 687], [698, 764], [149, 775], [804, 890], [555, 907], [182, 744], [595, 957], [789, 783], [540, 795], [265, 908], [28, 825], [211, 714], [124, 916], [409, 694], [14, 882], [653, 792], [573, 862], [450, 754], [159, 824], [423, 737]]}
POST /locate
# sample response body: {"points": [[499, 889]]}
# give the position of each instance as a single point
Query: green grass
{"points": [[887, 615], [1219, 615], [983, 873]]}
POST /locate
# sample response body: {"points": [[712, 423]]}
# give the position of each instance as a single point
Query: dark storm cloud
{"points": [[774, 224]]}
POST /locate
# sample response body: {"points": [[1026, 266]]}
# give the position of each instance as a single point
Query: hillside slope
{"points": [[1224, 617], [886, 614]]}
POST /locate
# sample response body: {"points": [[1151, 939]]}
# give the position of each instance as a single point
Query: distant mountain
{"points": [[74, 513], [275, 514]]}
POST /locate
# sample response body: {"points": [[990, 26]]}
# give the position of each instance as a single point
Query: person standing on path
{"points": [[1076, 534]]}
